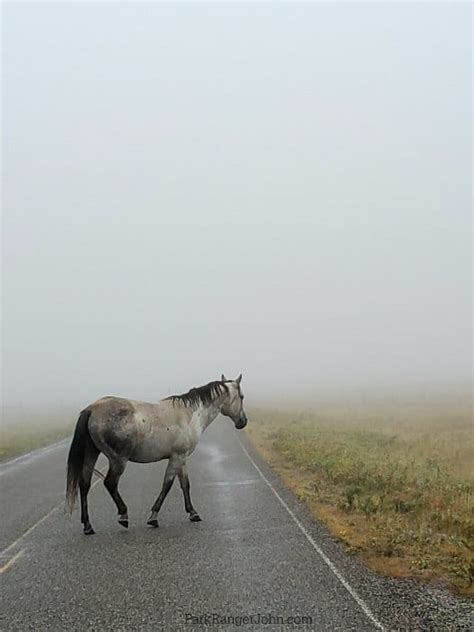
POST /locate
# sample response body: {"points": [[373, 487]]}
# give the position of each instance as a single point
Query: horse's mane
{"points": [[204, 395]]}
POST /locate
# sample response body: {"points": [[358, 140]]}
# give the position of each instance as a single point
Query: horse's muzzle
{"points": [[241, 423]]}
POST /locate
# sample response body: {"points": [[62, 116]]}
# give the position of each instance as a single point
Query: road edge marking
{"points": [[360, 602], [40, 521], [11, 561], [29, 456]]}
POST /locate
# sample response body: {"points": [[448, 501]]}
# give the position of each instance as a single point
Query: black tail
{"points": [[75, 459]]}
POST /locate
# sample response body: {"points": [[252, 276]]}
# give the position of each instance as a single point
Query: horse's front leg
{"points": [[173, 467], [186, 487]]}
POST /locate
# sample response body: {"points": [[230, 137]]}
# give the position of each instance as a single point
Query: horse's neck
{"points": [[206, 415]]}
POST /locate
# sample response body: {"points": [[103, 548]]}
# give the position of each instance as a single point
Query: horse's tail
{"points": [[76, 456]]}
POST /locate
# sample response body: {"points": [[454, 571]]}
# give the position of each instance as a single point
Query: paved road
{"points": [[257, 553]]}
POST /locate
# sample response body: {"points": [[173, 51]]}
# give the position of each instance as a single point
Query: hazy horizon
{"points": [[282, 190]]}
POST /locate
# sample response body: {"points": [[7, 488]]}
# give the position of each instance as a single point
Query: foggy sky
{"points": [[278, 189]]}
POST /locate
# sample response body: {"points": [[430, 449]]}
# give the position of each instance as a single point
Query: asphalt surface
{"points": [[256, 554]]}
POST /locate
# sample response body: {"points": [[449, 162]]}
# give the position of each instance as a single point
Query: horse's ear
{"points": [[239, 379], [223, 378]]}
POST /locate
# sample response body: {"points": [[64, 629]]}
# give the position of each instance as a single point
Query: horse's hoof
{"points": [[194, 517], [88, 530], [153, 523], [124, 523]]}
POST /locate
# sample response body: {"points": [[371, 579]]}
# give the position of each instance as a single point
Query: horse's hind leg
{"points": [[90, 459], [116, 469]]}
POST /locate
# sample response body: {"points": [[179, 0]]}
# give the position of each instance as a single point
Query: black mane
{"points": [[204, 395]]}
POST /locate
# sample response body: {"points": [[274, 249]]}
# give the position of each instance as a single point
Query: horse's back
{"points": [[112, 425], [140, 431]]}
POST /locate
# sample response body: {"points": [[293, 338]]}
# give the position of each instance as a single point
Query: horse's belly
{"points": [[161, 445]]}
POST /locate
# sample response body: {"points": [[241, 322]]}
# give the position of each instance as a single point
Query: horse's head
{"points": [[233, 406]]}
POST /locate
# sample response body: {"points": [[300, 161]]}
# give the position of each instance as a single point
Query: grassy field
{"points": [[21, 432], [393, 478]]}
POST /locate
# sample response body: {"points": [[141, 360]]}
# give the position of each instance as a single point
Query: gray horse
{"points": [[127, 430]]}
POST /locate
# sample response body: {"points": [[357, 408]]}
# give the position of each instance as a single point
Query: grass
{"points": [[23, 432], [393, 479]]}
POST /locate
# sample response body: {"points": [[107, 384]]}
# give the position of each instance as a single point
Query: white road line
{"points": [[251, 481], [23, 459], [6, 566], [40, 521], [365, 608], [28, 531]]}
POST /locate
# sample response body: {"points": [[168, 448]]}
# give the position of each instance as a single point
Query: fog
{"points": [[282, 190]]}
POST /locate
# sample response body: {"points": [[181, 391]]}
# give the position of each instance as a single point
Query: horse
{"points": [[142, 432]]}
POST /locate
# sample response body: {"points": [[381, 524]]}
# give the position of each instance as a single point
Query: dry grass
{"points": [[392, 479], [23, 432]]}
